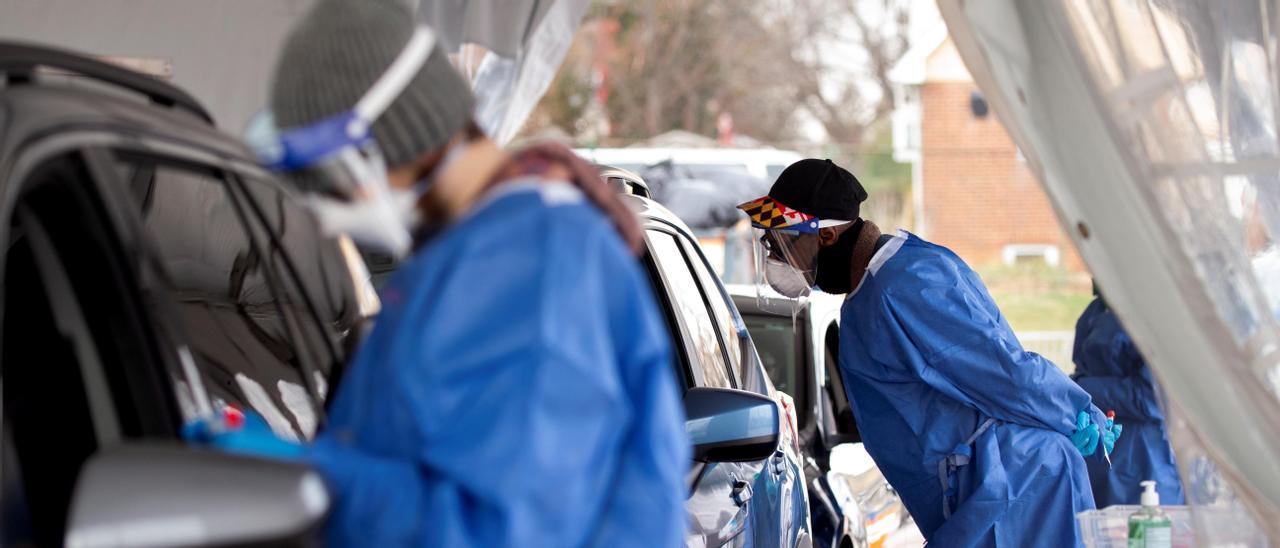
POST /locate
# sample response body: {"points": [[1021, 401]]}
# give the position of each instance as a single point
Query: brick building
{"points": [[973, 191]]}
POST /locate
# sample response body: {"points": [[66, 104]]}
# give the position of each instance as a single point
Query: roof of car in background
{"points": [[762, 299]]}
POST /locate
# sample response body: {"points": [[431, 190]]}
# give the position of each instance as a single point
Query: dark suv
{"points": [[742, 492], [151, 274]]}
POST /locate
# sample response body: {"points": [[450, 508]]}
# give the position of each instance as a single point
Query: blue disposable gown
{"points": [[517, 390], [1109, 367], [927, 359]]}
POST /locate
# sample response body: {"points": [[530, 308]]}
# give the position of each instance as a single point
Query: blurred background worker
{"points": [[516, 388], [1110, 368], [982, 439]]}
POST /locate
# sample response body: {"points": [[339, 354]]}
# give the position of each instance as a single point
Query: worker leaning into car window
{"points": [[1110, 368], [518, 387], [982, 439]]}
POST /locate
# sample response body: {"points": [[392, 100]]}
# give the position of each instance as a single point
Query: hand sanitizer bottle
{"points": [[1149, 527]]}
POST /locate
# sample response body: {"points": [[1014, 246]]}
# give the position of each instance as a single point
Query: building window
{"points": [[978, 105], [1015, 254]]}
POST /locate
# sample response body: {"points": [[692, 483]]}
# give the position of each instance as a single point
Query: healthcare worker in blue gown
{"points": [[1110, 368], [518, 387], [984, 441]]}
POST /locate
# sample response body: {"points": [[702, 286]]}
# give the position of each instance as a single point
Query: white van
{"points": [[765, 163]]}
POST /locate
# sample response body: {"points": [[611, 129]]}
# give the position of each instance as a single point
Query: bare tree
{"points": [[849, 92], [678, 64]]}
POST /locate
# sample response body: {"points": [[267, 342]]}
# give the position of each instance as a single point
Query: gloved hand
{"points": [[1111, 434], [242, 434], [1086, 435]]}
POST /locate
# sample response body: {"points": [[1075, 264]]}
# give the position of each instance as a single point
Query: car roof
{"points": [[762, 299], [31, 110], [36, 103], [644, 207], [651, 211]]}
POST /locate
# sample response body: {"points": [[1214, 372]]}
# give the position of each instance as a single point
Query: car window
{"points": [[775, 340], [317, 284], [706, 356], [726, 322], [225, 296]]}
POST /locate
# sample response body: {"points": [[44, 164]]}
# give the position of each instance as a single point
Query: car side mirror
{"points": [[728, 425], [168, 495]]}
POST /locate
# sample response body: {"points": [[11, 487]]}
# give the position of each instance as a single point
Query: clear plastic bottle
{"points": [[1149, 527]]}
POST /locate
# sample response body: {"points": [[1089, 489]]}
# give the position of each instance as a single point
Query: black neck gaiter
{"points": [[835, 263]]}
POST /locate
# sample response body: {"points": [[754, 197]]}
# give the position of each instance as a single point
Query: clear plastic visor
{"points": [[784, 262]]}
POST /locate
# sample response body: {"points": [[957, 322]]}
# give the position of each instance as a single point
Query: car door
{"points": [[224, 287], [722, 499], [98, 346], [782, 514], [81, 368]]}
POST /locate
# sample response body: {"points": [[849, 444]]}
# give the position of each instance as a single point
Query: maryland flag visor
{"points": [[771, 214]]}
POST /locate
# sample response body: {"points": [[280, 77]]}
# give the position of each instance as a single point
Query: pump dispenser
{"points": [[1149, 527], [1150, 498]]}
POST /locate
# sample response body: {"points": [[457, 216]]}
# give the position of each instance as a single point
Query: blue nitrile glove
{"points": [[1086, 435], [1110, 435], [253, 438]]}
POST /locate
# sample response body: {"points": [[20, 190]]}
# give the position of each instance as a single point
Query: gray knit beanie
{"points": [[335, 54]]}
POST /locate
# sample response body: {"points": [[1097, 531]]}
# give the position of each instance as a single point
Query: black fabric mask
{"points": [[835, 263]]}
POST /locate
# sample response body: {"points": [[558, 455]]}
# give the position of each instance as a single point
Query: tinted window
{"points": [[225, 297], [706, 356], [723, 315], [775, 341], [317, 285]]}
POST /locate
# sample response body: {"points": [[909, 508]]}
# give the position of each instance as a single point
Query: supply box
{"points": [[1109, 527]]}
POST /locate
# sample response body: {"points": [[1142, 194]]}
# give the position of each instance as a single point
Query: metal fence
{"points": [[1053, 345]]}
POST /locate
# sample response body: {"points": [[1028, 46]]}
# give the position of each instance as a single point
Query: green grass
{"points": [[1054, 311], [1036, 297]]}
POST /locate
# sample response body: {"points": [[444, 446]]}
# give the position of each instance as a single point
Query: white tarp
{"points": [[1153, 127], [223, 52], [525, 42]]}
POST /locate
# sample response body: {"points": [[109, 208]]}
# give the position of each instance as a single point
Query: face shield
{"points": [[786, 246], [338, 163], [784, 265]]}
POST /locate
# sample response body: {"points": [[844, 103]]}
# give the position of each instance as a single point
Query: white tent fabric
{"points": [[1153, 126], [525, 42], [499, 26]]}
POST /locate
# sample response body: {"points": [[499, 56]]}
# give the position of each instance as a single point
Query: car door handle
{"points": [[779, 462], [741, 493]]}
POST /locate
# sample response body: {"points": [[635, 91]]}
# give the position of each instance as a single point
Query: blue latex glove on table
{"points": [[252, 437]]}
